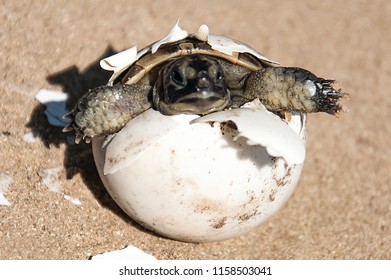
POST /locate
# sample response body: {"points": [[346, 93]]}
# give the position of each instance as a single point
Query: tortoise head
{"points": [[191, 84]]}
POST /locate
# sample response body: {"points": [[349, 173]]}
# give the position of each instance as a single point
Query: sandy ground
{"points": [[341, 208]]}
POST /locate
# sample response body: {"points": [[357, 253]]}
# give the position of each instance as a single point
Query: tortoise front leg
{"points": [[292, 89], [107, 109]]}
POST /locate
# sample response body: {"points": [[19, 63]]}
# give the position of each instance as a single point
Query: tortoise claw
{"points": [[68, 128], [78, 138], [327, 97]]}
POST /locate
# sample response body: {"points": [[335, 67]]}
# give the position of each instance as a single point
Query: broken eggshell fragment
{"points": [[202, 179]]}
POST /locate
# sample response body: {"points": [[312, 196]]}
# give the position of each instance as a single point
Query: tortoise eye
{"points": [[177, 78], [219, 76], [219, 80]]}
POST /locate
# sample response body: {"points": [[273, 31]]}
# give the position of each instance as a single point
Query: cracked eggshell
{"points": [[204, 179]]}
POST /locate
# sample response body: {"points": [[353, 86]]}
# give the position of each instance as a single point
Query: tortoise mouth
{"points": [[195, 103], [200, 97]]}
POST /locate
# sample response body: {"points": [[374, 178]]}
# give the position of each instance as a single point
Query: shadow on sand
{"points": [[78, 159]]}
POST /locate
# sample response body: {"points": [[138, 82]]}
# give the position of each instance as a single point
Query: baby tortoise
{"points": [[196, 73]]}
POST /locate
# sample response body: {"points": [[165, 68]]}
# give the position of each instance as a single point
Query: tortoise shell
{"points": [[130, 66]]}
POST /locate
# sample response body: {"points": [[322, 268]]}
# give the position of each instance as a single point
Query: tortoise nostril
{"points": [[204, 80]]}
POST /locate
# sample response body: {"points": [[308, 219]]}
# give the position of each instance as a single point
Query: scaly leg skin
{"points": [[293, 89], [107, 109]]}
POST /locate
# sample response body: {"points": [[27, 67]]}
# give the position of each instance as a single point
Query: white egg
{"points": [[202, 179]]}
